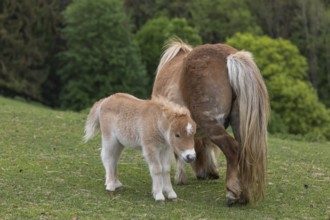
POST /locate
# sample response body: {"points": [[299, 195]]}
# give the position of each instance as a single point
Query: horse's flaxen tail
{"points": [[172, 47], [92, 123], [252, 96]]}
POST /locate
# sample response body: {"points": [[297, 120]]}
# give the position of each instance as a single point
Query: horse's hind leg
{"points": [[230, 148], [205, 163], [110, 154]]}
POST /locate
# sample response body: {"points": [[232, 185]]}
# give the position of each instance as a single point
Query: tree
{"points": [[291, 94], [101, 57], [216, 20], [28, 32], [306, 23], [140, 11], [152, 36]]}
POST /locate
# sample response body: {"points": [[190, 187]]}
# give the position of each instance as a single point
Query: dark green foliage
{"points": [[276, 124], [102, 57], [305, 23], [152, 36], [293, 98], [28, 30], [140, 11], [216, 20]]}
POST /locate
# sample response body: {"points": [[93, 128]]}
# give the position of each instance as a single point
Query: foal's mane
{"points": [[169, 106]]}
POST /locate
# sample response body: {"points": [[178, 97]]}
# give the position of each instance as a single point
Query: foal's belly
{"points": [[128, 139]]}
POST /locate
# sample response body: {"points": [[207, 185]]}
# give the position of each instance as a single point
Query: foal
{"points": [[158, 126]]}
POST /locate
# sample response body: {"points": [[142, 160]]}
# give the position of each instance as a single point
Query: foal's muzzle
{"points": [[189, 156]]}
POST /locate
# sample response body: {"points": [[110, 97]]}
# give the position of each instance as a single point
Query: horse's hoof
{"points": [[231, 198], [243, 200], [213, 176], [201, 175], [204, 176]]}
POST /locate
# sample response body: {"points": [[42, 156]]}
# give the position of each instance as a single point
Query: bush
{"points": [[276, 124], [292, 97], [102, 57]]}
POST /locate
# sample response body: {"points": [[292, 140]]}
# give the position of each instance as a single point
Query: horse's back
{"points": [[120, 115]]}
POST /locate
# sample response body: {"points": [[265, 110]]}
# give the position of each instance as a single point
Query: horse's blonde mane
{"points": [[172, 47], [169, 105]]}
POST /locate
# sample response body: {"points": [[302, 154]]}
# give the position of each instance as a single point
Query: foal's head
{"points": [[181, 131]]}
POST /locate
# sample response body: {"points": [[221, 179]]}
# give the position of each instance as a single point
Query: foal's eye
{"points": [[177, 135]]}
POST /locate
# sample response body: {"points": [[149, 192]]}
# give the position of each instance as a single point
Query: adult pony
{"points": [[220, 86], [158, 126]]}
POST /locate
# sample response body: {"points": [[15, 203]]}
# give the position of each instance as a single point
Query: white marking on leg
{"points": [[220, 118]]}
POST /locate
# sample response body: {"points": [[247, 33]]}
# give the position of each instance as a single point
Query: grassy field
{"points": [[46, 172]]}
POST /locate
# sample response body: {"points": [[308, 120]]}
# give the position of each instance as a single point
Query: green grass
{"points": [[46, 172]]}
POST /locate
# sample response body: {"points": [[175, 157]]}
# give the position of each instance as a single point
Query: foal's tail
{"points": [[252, 96], [92, 123]]}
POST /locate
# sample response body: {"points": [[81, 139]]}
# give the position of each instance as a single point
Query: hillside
{"points": [[46, 172]]}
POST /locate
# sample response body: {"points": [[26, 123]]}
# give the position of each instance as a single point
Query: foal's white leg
{"points": [[110, 155], [166, 157], [152, 157]]}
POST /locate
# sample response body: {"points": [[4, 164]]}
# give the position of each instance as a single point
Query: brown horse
{"points": [[220, 86], [158, 126]]}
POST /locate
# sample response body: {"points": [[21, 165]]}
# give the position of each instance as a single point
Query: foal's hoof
{"points": [[172, 196], [111, 193], [159, 197]]}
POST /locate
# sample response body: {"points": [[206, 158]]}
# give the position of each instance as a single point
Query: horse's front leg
{"points": [[152, 157], [205, 163], [166, 165], [180, 173]]}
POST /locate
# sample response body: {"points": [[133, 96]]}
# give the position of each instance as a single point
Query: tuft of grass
{"points": [[46, 172]]}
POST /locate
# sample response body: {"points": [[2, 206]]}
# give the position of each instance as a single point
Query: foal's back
{"points": [[127, 117]]}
